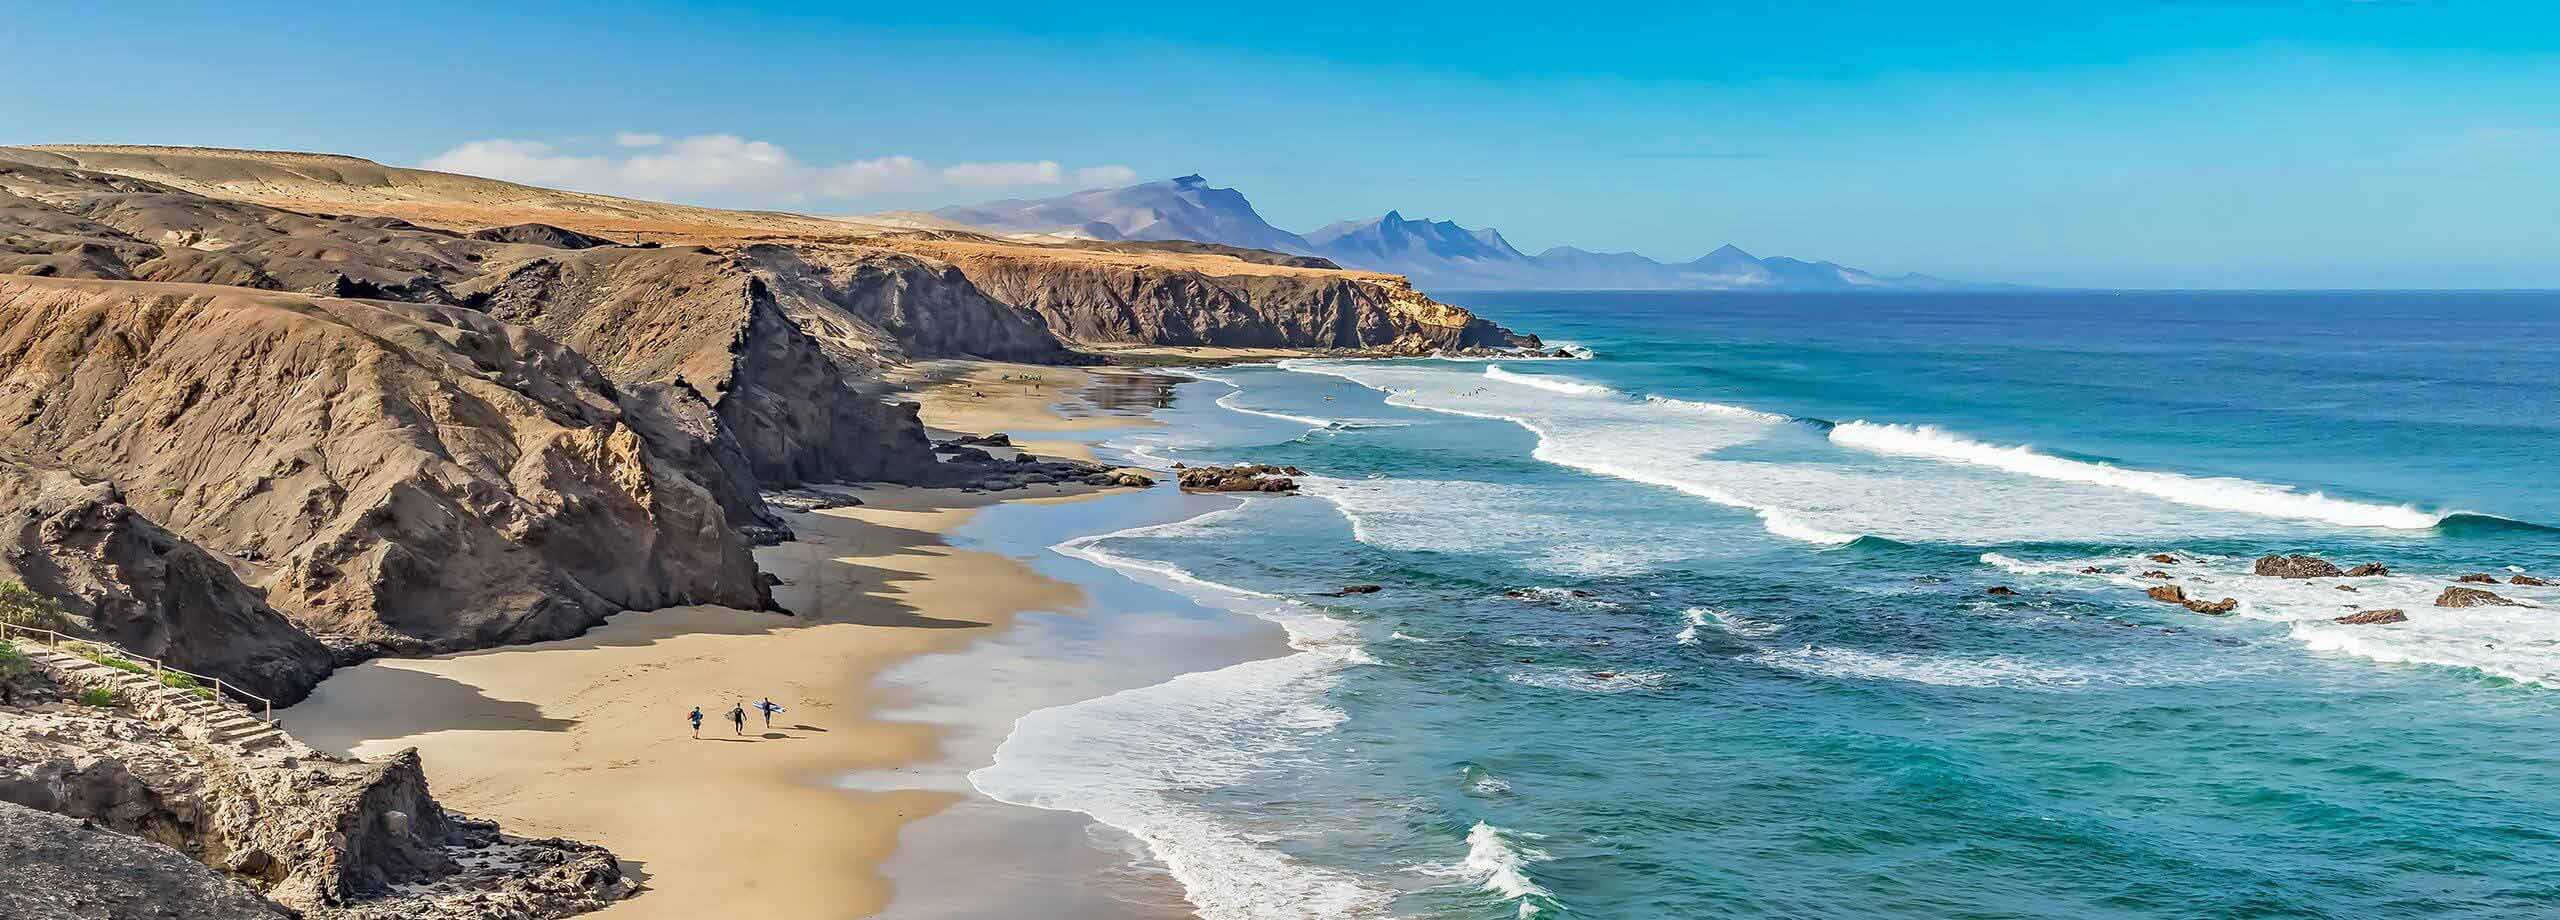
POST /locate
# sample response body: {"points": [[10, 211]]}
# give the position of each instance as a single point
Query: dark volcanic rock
{"points": [[2373, 617], [1247, 478], [2002, 591], [2215, 608], [2297, 566], [2368, 570], [2478, 578], [2528, 580], [2471, 597]]}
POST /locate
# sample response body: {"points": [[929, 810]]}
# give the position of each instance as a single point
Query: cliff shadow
{"points": [[378, 701]]}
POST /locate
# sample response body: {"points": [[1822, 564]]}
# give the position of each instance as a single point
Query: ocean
{"points": [[1703, 625]]}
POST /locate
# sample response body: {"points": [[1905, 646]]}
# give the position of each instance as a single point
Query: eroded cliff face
{"points": [[714, 324], [413, 478], [130, 582], [1092, 300]]}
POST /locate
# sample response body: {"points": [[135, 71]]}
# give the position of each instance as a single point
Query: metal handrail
{"points": [[54, 640]]}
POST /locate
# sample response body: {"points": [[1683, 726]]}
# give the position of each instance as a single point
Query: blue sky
{"points": [[2290, 143]]}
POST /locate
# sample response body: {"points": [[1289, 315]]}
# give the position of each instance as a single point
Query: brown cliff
{"points": [[414, 477]]}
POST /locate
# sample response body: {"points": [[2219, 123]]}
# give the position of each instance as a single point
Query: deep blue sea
{"points": [[1701, 626]]}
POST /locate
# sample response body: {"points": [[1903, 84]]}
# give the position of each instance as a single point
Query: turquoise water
{"points": [[1699, 626]]}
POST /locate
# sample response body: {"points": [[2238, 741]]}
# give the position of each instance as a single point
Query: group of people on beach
{"points": [[737, 716]]}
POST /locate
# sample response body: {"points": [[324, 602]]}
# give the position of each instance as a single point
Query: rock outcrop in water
{"points": [[2297, 566], [2369, 570], [2472, 597], [2172, 594], [1243, 478], [2373, 618]]}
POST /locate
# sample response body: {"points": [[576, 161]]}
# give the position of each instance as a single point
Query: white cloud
{"points": [[968, 175], [1105, 176], [728, 169]]}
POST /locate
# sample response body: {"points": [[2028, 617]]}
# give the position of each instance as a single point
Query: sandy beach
{"points": [[586, 738]]}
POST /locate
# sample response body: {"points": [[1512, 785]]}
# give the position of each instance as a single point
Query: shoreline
{"points": [[585, 738]]}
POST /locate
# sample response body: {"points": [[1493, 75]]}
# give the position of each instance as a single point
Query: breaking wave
{"points": [[2219, 493]]}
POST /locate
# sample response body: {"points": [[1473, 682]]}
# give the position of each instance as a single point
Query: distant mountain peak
{"points": [[1434, 253]]}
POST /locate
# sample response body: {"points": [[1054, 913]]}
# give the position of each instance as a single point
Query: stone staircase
{"points": [[199, 714]]}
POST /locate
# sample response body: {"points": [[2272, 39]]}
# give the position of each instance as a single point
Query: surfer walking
{"points": [[737, 719], [696, 717], [768, 707]]}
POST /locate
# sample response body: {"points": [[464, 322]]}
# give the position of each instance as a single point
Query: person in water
{"points": [[697, 721], [738, 718], [768, 707]]}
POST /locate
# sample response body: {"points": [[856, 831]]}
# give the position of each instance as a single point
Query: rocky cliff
{"points": [[1088, 298], [415, 478], [126, 580]]}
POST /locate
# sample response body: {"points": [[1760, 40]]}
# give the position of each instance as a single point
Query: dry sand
{"points": [[585, 738]]}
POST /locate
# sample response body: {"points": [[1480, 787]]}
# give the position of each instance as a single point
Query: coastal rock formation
{"points": [[2528, 580], [60, 868], [772, 341], [413, 478], [2472, 597], [2002, 591], [326, 837], [2478, 578], [2172, 594], [1147, 302], [2373, 617], [130, 582], [2164, 558], [2369, 570], [1244, 478], [2297, 566]]}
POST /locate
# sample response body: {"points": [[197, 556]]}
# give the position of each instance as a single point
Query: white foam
{"points": [[1583, 681], [2219, 493], [1136, 758], [2516, 643], [1695, 617], [1463, 516], [1993, 671], [1708, 408], [1498, 863], [1549, 384], [1503, 868], [1824, 497]]}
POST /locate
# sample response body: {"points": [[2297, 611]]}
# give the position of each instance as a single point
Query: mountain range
{"points": [[1433, 253]]}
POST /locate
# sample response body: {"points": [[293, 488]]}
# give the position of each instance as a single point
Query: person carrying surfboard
{"points": [[768, 707], [738, 719]]}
